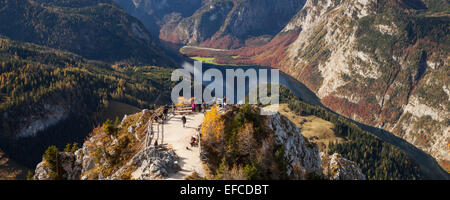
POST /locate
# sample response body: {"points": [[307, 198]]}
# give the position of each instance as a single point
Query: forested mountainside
{"points": [[94, 29], [383, 63], [59, 96], [212, 23], [10, 170]]}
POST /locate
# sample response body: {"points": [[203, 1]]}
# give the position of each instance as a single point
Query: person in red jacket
{"points": [[192, 142]]}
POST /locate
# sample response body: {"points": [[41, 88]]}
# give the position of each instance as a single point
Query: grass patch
{"points": [[209, 60], [312, 127]]}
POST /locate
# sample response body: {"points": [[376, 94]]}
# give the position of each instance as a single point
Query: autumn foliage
{"points": [[212, 126], [239, 146]]}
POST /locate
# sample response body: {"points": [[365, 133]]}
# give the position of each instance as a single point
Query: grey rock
{"points": [[336, 167], [42, 172], [131, 129]]}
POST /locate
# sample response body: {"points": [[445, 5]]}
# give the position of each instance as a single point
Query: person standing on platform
{"points": [[183, 119]]}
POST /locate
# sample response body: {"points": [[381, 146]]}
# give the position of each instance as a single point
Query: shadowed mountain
{"points": [[94, 29]]}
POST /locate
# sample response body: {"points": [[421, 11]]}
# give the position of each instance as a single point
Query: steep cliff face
{"points": [[383, 63], [304, 157], [218, 24]]}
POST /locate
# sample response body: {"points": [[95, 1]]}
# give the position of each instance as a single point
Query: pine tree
{"points": [[116, 122], [67, 148], [74, 147], [51, 158], [30, 175], [108, 127]]}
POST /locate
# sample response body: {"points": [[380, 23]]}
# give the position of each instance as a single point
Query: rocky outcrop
{"points": [[304, 158], [335, 167], [42, 172], [114, 157], [70, 164], [150, 164], [86, 161], [68, 167], [154, 164], [301, 154]]}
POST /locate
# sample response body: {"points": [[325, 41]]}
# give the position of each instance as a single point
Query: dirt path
{"points": [[178, 138]]}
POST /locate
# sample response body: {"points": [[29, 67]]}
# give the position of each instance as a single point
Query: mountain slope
{"points": [[382, 63], [155, 13], [94, 29], [48, 96], [9, 170], [217, 24]]}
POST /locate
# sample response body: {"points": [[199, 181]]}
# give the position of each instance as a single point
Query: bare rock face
{"points": [[154, 164], [69, 165], [149, 164], [335, 167], [83, 159], [42, 172], [302, 155]]}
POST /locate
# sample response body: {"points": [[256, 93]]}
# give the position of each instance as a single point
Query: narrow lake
{"points": [[298, 88]]}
